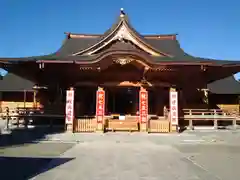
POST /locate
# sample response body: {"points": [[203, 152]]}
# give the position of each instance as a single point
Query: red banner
{"points": [[143, 106], [69, 111], [174, 107], [100, 105]]}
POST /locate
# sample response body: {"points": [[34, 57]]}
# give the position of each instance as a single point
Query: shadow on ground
{"points": [[27, 135], [22, 168]]}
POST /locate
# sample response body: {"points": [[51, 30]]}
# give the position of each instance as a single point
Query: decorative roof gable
{"points": [[121, 31]]}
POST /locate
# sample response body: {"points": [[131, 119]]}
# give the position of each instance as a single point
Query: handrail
{"points": [[203, 109], [199, 109], [204, 113]]}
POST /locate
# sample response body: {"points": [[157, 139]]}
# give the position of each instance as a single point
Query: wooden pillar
{"points": [[181, 105], [238, 105], [114, 101], [159, 105], [24, 98], [136, 103], [106, 102], [100, 109], [77, 109], [173, 109], [34, 99], [143, 110], [69, 111]]}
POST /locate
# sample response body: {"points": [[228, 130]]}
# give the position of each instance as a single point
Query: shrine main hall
{"points": [[123, 80]]}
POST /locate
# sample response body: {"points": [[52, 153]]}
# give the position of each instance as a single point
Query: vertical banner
{"points": [[69, 111], [100, 105], [174, 107], [143, 106]]}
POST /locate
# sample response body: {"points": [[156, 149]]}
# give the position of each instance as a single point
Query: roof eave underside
{"points": [[174, 60]]}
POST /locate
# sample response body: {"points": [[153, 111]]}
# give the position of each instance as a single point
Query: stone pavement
{"points": [[188, 156]]}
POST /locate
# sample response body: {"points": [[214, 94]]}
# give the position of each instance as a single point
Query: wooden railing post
{"points": [[234, 123], [215, 121], [190, 120], [8, 117]]}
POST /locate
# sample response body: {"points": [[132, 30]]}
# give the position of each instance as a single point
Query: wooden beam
{"points": [[123, 83]]}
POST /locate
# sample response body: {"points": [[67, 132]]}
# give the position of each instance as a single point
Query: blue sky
{"points": [[206, 28]]}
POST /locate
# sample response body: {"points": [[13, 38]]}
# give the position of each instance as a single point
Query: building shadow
{"points": [[22, 168], [20, 136]]}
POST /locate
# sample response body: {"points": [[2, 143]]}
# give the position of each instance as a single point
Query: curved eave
{"points": [[28, 59], [151, 60], [188, 60], [183, 60]]}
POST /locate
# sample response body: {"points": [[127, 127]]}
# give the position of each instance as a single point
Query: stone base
{"points": [[99, 127], [143, 127], [69, 127]]}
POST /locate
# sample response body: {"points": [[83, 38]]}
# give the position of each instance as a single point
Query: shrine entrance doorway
{"points": [[122, 101], [122, 104]]}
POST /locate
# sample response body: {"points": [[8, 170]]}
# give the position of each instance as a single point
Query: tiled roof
{"points": [[14, 83], [75, 43], [228, 85]]}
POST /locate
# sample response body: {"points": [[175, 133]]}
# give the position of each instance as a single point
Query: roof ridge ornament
{"points": [[122, 13]]}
